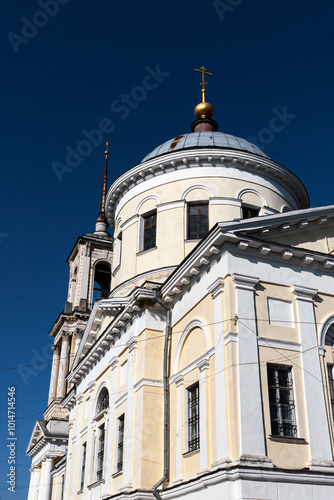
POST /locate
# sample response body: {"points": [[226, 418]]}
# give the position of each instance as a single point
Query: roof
{"points": [[204, 139]]}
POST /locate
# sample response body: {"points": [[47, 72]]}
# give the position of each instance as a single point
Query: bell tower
{"points": [[90, 278]]}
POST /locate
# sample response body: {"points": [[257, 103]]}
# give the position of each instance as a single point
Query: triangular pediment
{"points": [[38, 433]]}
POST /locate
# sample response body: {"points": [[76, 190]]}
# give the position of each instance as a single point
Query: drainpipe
{"points": [[165, 380]]}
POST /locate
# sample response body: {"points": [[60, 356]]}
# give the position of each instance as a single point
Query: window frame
{"points": [[193, 422], [120, 443], [330, 375], [83, 465], [252, 208], [286, 427], [100, 452], [197, 204], [142, 231]]}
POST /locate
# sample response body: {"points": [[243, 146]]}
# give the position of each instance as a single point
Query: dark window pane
{"points": [[198, 221], [282, 405], [150, 224]]}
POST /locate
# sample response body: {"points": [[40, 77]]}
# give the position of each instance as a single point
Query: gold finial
{"points": [[107, 144], [204, 109]]}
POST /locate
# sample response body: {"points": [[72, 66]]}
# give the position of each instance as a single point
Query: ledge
{"points": [[145, 251], [93, 485], [116, 474], [287, 439], [191, 453]]}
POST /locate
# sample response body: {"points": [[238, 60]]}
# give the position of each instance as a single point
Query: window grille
{"points": [[198, 220], [281, 401], [193, 418], [103, 401], [100, 454], [150, 230], [120, 443], [83, 466]]}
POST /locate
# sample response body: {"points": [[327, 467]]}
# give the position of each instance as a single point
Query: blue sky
{"points": [[68, 75]]}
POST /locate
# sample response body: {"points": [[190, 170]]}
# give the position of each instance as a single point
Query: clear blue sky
{"points": [[64, 76]]}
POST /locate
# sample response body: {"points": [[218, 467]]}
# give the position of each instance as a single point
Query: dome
{"points": [[202, 140]]}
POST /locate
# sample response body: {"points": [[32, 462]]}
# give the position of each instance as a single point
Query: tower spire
{"points": [[204, 111], [101, 224]]}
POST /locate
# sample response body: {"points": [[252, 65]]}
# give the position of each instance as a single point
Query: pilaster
{"points": [[127, 484], [252, 436], [54, 373], [179, 381], [203, 366], [319, 438], [216, 289], [61, 387]]}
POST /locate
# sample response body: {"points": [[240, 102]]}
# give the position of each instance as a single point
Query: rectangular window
{"points": [[281, 401], [331, 385], [120, 443], [83, 465], [149, 230], [100, 454], [62, 487], [198, 220], [249, 212], [193, 417]]}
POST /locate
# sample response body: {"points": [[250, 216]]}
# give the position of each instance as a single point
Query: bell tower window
{"points": [[102, 279]]}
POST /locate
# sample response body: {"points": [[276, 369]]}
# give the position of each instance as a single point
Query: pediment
{"points": [[39, 431]]}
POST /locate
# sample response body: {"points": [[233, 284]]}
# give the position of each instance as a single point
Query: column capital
{"points": [[203, 365], [244, 282], [91, 386], [79, 333], [179, 380], [132, 344], [65, 334], [113, 362], [80, 398], [304, 293], [217, 287], [55, 348]]}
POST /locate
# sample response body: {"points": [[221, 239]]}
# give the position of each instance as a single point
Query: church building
{"points": [[195, 354]]}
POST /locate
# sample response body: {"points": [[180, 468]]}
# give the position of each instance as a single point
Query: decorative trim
{"points": [[147, 382], [304, 293], [197, 186], [279, 344], [225, 201], [129, 222], [150, 197], [170, 205], [231, 337], [121, 400], [217, 287], [191, 366], [190, 326], [243, 282]]}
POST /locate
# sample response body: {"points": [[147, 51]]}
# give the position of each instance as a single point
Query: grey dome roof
{"points": [[204, 140]]}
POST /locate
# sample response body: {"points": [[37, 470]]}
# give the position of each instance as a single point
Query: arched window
{"points": [[329, 339], [103, 401], [102, 278]]}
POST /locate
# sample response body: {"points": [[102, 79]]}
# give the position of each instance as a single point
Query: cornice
{"points": [[218, 241], [134, 304], [184, 159]]}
